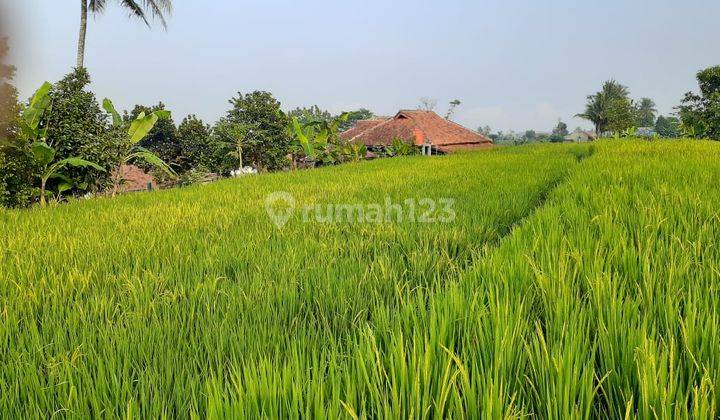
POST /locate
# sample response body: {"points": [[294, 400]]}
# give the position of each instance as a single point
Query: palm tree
{"points": [[646, 112], [595, 111], [137, 8], [596, 108]]}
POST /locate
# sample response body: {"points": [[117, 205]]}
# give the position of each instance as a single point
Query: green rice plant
{"points": [[576, 281]]}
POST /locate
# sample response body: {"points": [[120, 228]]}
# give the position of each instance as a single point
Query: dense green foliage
{"points": [[668, 127], [645, 112], [77, 126], [129, 136], [572, 284], [559, 132], [319, 143], [355, 116], [700, 114], [269, 143], [17, 175], [227, 143], [610, 109], [163, 138], [194, 137], [310, 114]]}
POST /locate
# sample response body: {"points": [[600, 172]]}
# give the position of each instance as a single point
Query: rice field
{"points": [[575, 281]]}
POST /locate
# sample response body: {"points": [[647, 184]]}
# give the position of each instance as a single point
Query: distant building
{"points": [[580, 136], [646, 131], [424, 128]]}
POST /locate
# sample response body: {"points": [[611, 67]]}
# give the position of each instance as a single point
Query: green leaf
{"points": [[42, 153], [110, 109], [80, 163], [152, 159], [64, 186], [322, 138], [39, 103], [141, 126], [61, 177], [162, 114], [302, 138]]}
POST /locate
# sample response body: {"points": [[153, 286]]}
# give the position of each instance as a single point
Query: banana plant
{"points": [[131, 150], [315, 137], [43, 153]]}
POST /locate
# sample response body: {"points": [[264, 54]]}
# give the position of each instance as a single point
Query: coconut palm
{"points": [[138, 8], [598, 105], [595, 111], [646, 112]]}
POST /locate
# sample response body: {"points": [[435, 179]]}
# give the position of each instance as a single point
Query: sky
{"points": [[514, 64]]}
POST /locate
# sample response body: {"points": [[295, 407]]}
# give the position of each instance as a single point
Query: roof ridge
{"points": [[372, 128]]}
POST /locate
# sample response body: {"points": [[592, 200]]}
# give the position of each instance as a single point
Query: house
{"points": [[645, 132], [580, 136], [424, 128]]}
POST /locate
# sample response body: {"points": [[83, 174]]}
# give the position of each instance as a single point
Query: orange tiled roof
{"points": [[418, 126]]}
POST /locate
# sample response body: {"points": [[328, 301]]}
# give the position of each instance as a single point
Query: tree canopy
{"points": [[700, 114], [271, 142]]}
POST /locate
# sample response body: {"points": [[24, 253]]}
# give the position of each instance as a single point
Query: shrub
{"points": [[17, 173]]}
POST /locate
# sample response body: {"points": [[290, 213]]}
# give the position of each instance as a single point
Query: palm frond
{"points": [[97, 6], [158, 9], [135, 10]]}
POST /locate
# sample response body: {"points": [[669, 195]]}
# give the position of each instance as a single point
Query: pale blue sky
{"points": [[514, 64]]}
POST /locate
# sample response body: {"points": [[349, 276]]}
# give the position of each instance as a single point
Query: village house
{"points": [[425, 129], [580, 136]]}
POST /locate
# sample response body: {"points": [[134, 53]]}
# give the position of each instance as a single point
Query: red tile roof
{"points": [[134, 179], [418, 126]]}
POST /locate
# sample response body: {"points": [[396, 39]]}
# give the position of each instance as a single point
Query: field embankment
{"points": [[567, 285]]}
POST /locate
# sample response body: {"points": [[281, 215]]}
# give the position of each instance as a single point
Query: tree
{"points": [[700, 114], [427, 104], [453, 105], [194, 138], [137, 129], [308, 115], [559, 132], [621, 115], [77, 127], [45, 156], [163, 138], [485, 131], [271, 141], [227, 143], [530, 135], [138, 8], [595, 112], [560, 129], [354, 116], [668, 127], [646, 112], [607, 109]]}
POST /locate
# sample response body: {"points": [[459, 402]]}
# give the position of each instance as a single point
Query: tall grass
{"points": [[572, 284]]}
